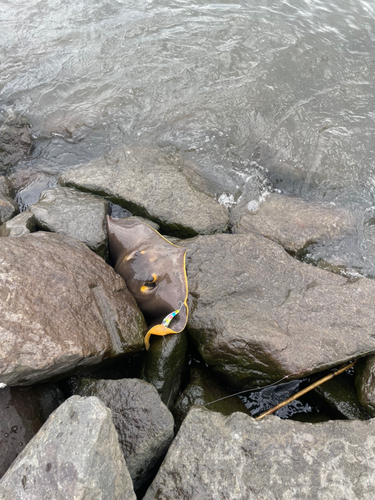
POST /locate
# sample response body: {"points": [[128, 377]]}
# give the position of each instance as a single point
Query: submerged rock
{"points": [[237, 457], [21, 225], [23, 411], [29, 184], [292, 222], [165, 365], [151, 184], [257, 314], [75, 454], [340, 394], [61, 308], [144, 424], [76, 214], [15, 139], [205, 390]]}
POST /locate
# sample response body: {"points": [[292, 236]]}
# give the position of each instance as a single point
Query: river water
{"points": [[259, 94]]}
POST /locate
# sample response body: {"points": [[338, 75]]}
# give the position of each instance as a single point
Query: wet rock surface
{"points": [[144, 424], [165, 365], [257, 314], [292, 222], [76, 214], [153, 185], [15, 139], [21, 225], [23, 411], [61, 308], [236, 457], [75, 455]]}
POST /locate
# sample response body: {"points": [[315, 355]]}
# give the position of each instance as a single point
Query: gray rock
{"points": [[257, 314], [23, 411], [76, 214], [144, 424], [21, 225], [15, 140], [365, 383], [153, 185], [61, 308], [237, 457], [293, 222], [75, 455]]}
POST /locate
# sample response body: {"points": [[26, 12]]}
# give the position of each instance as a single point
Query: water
{"points": [[258, 93]]}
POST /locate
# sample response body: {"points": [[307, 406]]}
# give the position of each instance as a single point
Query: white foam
{"points": [[226, 200]]}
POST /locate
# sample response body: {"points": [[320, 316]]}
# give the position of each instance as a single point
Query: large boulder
{"points": [[75, 454], [237, 457], [257, 314], [292, 222], [23, 411], [61, 308], [76, 214], [151, 184]]}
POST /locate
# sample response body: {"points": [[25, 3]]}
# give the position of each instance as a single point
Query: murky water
{"points": [[255, 92]]}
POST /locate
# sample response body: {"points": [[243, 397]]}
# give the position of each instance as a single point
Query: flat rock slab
{"points": [[237, 457], [292, 222], [76, 214], [74, 455], [153, 185], [257, 314], [61, 307], [144, 424]]}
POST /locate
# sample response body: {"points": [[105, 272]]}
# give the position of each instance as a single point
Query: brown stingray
{"points": [[154, 272]]}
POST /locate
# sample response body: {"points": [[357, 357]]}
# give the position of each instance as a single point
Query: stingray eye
{"points": [[150, 282]]}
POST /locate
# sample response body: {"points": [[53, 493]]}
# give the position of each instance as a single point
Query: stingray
{"points": [[154, 272]]}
